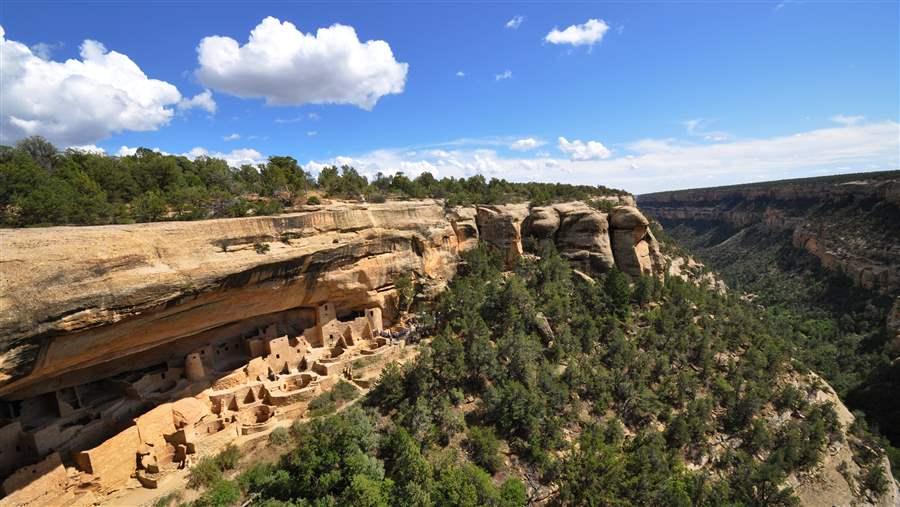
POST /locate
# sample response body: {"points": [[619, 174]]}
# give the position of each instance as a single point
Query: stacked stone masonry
{"points": [[137, 426]]}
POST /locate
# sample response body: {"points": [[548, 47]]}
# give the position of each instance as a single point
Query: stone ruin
{"points": [[99, 436]]}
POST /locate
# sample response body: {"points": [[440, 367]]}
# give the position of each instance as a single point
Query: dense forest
{"points": [[832, 326], [41, 186], [539, 385]]}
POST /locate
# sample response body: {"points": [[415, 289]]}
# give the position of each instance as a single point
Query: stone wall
{"points": [[37, 485], [113, 461]]}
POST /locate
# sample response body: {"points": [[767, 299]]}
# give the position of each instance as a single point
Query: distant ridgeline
{"points": [[822, 255], [39, 185]]}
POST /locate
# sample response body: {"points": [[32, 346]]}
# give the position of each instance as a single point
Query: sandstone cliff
{"points": [[76, 297], [76, 301], [851, 222]]}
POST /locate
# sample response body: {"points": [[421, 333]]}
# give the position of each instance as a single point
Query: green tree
{"points": [[40, 150], [149, 207], [617, 289], [484, 447]]}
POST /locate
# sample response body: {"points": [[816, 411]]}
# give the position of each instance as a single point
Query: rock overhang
{"points": [[75, 300]]}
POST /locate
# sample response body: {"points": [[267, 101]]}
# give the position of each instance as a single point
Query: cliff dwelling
{"points": [[140, 424]]}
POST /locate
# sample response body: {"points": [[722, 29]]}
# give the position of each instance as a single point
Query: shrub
{"points": [[484, 447], [389, 391], [297, 428], [790, 398], [377, 198], [222, 493], [604, 205], [313, 200], [513, 493], [344, 391], [209, 469], [204, 473], [327, 403], [272, 207], [256, 477], [279, 436], [261, 248], [875, 480], [229, 457]]}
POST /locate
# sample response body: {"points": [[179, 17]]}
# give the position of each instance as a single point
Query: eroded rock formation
{"points": [[851, 223], [580, 232], [593, 240]]}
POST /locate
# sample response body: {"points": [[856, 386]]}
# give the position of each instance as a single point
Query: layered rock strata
{"points": [[851, 223], [74, 298]]}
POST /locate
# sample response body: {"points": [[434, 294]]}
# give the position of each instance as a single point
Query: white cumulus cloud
{"points": [[231, 137], [847, 120], [127, 151], [698, 128], [460, 73], [507, 74], [79, 101], [88, 148], [586, 34], [580, 150], [515, 22], [234, 158], [526, 144], [288, 67], [202, 100], [44, 50]]}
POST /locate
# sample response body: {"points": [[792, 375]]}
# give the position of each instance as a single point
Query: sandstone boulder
{"points": [[583, 237], [543, 222], [627, 217], [501, 227], [465, 226], [635, 248]]}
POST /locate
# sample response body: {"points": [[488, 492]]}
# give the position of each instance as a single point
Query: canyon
{"points": [[127, 350], [850, 223], [819, 253]]}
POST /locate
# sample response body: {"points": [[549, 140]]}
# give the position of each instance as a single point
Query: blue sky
{"points": [[643, 96]]}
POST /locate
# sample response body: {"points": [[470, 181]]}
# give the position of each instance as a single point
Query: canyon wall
{"points": [[850, 222]]}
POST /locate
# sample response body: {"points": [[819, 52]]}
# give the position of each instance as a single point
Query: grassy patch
{"points": [[326, 403], [209, 469]]}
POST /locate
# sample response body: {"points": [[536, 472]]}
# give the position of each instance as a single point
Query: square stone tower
{"points": [[373, 315], [325, 313]]}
